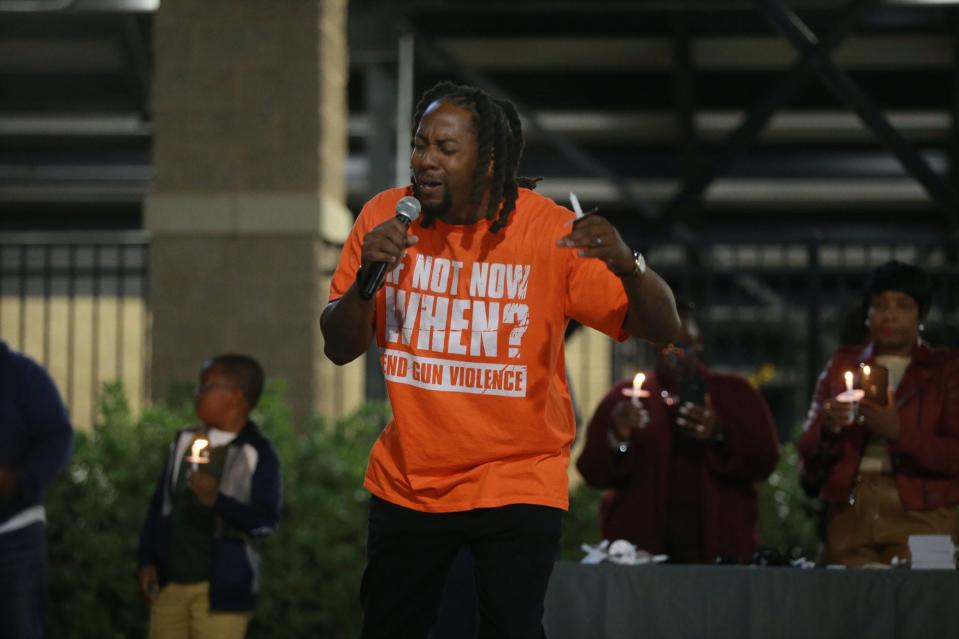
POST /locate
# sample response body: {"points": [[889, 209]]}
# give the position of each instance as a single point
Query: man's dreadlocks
{"points": [[499, 135]]}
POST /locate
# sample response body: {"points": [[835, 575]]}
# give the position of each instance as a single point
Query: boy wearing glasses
{"points": [[680, 465], [219, 491]]}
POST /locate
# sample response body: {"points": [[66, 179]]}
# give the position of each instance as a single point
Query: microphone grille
{"points": [[409, 207]]}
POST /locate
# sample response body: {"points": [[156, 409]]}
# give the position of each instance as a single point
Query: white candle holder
{"points": [[636, 391], [851, 396], [629, 392]]}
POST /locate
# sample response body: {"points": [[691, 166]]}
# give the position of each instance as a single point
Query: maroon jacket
{"points": [[925, 459], [638, 480]]}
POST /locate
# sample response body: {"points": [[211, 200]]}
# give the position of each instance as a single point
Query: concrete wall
{"points": [[246, 209]]}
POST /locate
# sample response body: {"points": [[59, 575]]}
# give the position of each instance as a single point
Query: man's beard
{"points": [[434, 211]]}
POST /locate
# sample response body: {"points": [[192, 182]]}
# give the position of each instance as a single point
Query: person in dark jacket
{"points": [[219, 491], [679, 475], [36, 441], [887, 469]]}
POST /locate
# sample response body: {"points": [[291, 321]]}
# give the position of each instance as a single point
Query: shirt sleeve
{"points": [[350, 259], [595, 297]]}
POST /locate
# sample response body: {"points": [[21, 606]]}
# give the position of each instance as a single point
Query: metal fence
{"points": [[78, 303], [775, 311]]}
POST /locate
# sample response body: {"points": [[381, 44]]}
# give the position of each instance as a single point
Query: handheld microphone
{"points": [[407, 210]]}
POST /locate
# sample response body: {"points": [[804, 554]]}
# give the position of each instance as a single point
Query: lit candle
{"points": [[638, 387], [198, 445], [849, 396], [865, 371], [636, 391]]}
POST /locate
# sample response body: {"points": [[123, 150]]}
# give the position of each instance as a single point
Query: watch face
{"points": [[640, 262]]}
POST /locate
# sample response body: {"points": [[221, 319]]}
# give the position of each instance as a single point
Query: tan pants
{"points": [[182, 611], [876, 528]]}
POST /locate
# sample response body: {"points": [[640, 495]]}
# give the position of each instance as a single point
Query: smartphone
{"points": [[692, 388], [874, 384]]}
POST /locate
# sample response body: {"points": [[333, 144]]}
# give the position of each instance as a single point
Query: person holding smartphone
{"points": [[679, 468], [889, 467]]}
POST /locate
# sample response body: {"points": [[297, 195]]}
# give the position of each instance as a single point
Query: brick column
{"points": [[246, 210]]}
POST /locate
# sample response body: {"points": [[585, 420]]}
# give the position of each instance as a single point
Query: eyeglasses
{"points": [[203, 388]]}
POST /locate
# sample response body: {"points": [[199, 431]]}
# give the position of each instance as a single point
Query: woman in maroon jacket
{"points": [[679, 477], [890, 468]]}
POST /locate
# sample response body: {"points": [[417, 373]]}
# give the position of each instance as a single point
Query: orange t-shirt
{"points": [[470, 327]]}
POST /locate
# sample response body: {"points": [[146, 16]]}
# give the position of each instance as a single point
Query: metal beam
{"points": [[684, 92], [406, 65], [79, 6], [655, 53], [851, 195], [608, 6], [70, 125], [627, 128], [139, 60], [838, 81], [761, 113]]}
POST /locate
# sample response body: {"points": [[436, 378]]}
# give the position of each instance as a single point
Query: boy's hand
{"points": [[205, 487], [149, 584]]}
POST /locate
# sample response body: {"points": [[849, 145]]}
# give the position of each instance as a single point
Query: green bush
{"points": [[94, 515], [788, 519], [311, 566]]}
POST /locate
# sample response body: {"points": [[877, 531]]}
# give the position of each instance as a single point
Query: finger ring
{"points": [[598, 240]]}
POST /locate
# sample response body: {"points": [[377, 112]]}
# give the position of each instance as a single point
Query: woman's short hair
{"points": [[902, 277]]}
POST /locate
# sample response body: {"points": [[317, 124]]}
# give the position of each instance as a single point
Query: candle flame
{"points": [[848, 376], [638, 381], [866, 370], [198, 445]]}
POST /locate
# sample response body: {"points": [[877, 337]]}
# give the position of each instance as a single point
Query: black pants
{"points": [[409, 554]]}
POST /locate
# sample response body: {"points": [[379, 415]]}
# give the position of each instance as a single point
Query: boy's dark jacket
{"points": [[247, 507]]}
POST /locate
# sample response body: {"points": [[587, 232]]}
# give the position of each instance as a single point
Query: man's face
{"points": [[444, 160], [681, 356]]}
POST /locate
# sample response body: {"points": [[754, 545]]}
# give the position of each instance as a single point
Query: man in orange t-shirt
{"points": [[470, 320]]}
